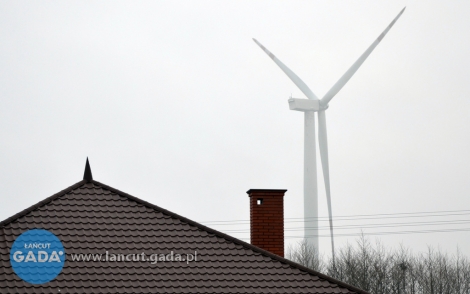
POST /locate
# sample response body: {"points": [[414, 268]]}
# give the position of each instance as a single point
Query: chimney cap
{"points": [[266, 190]]}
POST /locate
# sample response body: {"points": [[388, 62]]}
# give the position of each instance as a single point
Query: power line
{"points": [[359, 217], [380, 233], [391, 233], [381, 216], [363, 226]]}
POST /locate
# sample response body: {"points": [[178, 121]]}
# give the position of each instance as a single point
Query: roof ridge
{"points": [[230, 238], [41, 203]]}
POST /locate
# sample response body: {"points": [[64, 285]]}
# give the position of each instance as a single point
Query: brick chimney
{"points": [[267, 219]]}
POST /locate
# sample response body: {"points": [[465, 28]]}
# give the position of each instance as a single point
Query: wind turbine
{"points": [[309, 107]]}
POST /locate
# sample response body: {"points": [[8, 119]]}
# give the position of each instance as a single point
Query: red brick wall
{"points": [[267, 219]]}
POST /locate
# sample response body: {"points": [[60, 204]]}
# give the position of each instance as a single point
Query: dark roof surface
{"points": [[90, 217]]}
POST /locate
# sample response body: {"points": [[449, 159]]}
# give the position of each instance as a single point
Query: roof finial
{"points": [[87, 175]]}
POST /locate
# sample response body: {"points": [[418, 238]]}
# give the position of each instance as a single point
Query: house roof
{"points": [[90, 217]]}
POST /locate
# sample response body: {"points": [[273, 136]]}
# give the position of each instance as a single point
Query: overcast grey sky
{"points": [[175, 104]]}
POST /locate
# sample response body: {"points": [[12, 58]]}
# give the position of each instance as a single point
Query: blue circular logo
{"points": [[37, 256]]}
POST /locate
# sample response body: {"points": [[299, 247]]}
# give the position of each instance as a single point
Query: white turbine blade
{"points": [[297, 81], [323, 142], [352, 70]]}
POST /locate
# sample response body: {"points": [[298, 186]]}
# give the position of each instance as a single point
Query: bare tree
{"points": [[306, 254], [379, 271]]}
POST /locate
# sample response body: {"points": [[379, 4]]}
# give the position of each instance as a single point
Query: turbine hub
{"points": [[324, 107]]}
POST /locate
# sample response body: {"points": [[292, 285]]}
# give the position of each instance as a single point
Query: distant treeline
{"points": [[380, 271]]}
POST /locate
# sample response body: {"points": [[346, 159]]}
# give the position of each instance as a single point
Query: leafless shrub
{"points": [[307, 255], [381, 271]]}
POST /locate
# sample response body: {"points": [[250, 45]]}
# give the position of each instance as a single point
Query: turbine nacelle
{"points": [[304, 105]]}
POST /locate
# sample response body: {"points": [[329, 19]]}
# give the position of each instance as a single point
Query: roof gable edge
{"points": [[41, 203]]}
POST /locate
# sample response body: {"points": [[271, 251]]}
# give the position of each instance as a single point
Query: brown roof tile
{"points": [[90, 217]]}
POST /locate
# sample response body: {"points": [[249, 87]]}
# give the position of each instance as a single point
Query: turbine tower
{"points": [[309, 107]]}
